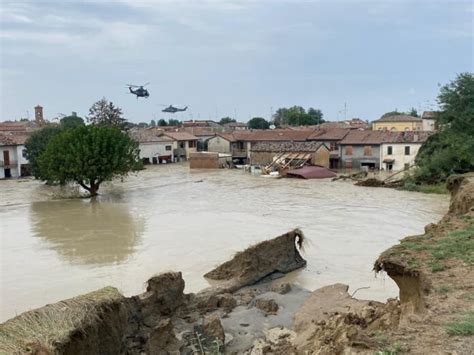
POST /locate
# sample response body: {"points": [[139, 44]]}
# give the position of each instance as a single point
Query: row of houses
{"points": [[336, 148], [392, 144]]}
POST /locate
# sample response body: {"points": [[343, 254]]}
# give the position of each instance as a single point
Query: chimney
{"points": [[39, 115]]}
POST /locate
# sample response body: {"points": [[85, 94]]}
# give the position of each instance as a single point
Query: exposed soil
{"points": [[247, 311]]}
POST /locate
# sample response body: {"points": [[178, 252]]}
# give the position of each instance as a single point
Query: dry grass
{"points": [[53, 323]]}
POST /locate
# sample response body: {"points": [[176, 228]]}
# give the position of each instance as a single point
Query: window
{"points": [[23, 154], [168, 147], [389, 150], [348, 150], [367, 150], [407, 150], [192, 144]]}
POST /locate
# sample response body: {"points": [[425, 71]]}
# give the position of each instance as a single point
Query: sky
{"points": [[235, 58]]}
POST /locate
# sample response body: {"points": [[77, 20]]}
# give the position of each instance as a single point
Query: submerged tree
{"points": [[88, 156], [105, 113]]}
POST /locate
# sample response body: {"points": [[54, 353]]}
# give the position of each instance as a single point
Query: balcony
{"points": [[12, 163]]}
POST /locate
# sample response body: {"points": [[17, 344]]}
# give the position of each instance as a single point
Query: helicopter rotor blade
{"points": [[146, 84]]}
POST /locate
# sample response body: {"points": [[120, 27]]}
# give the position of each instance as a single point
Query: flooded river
{"points": [[170, 218]]}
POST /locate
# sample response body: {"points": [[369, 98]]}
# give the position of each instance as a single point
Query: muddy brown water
{"points": [[170, 218]]}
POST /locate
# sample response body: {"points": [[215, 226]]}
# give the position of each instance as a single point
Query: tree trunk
{"points": [[93, 188]]}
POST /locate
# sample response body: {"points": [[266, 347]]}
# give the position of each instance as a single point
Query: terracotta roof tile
{"points": [[181, 136], [274, 135], [329, 134], [285, 146], [12, 139], [399, 118]]}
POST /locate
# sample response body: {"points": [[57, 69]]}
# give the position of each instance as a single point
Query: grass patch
{"points": [[436, 266], [381, 338], [469, 296], [394, 349], [463, 326], [412, 264], [444, 289], [54, 322], [457, 244], [427, 189]]}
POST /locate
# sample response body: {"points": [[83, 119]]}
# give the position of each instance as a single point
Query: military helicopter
{"points": [[139, 91], [172, 109]]}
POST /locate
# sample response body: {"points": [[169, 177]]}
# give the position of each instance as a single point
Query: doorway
{"points": [[8, 173], [6, 157]]}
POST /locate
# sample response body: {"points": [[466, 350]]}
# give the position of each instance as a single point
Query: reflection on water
{"points": [[161, 219], [86, 232]]}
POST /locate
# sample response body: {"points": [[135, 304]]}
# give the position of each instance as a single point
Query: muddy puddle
{"points": [[169, 218]]}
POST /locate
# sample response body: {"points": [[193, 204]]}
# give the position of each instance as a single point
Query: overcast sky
{"points": [[231, 58]]}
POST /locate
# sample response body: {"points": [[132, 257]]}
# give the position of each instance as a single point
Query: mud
{"points": [[268, 259], [164, 319]]}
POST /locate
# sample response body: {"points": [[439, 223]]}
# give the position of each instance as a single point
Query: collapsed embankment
{"points": [[248, 311]]}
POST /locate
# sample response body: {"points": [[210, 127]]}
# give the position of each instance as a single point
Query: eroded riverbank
{"points": [[167, 219]]}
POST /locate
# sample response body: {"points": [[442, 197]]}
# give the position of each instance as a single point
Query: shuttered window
{"points": [[348, 150], [367, 150]]}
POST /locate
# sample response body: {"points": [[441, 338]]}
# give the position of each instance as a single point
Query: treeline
{"points": [[451, 149]]}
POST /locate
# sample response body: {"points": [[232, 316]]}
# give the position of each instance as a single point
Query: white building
{"points": [[399, 149], [154, 147], [12, 160], [184, 144], [156, 150]]}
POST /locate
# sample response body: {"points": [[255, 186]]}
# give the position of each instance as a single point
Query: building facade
{"points": [[13, 163], [399, 149], [183, 144], [398, 123], [361, 150]]}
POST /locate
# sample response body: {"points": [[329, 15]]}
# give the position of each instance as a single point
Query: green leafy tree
{"points": [[36, 144], [162, 122], [225, 120], [297, 116], [71, 121], [88, 156], [105, 113], [392, 113], [258, 123], [413, 112], [451, 150], [174, 122], [316, 116]]}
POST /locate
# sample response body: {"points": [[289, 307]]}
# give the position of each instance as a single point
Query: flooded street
{"points": [[170, 218]]}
